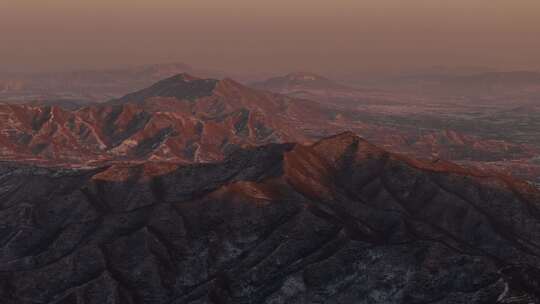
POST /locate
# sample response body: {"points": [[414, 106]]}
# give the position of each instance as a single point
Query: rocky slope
{"points": [[187, 119], [452, 145], [339, 221], [182, 119]]}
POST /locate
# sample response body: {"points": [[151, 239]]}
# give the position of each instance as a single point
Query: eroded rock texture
{"points": [[340, 221]]}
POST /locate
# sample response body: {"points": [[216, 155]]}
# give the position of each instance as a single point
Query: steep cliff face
{"points": [[340, 221]]}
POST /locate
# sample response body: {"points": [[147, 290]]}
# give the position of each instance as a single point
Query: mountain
{"points": [[182, 119], [305, 85], [338, 221], [181, 87], [185, 119], [324, 90], [88, 86], [299, 81]]}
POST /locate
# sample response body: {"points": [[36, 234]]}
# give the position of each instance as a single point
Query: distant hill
{"points": [[300, 81], [319, 88]]}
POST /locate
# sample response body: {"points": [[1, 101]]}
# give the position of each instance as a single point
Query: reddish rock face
{"points": [[185, 119], [180, 119], [339, 221], [185, 192]]}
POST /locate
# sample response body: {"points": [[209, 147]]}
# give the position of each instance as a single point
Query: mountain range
{"points": [[188, 119], [181, 118], [196, 190], [338, 221]]}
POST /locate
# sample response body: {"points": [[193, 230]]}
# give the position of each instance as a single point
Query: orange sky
{"points": [[278, 35]]}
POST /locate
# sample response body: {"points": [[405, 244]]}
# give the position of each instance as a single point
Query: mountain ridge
{"points": [[187, 119], [157, 122], [338, 220]]}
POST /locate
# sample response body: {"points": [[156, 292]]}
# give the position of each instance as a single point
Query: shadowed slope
{"points": [[340, 221]]}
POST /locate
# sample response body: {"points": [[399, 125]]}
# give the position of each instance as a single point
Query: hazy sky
{"points": [[272, 35]]}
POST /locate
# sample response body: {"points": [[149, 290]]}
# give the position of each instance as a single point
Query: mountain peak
{"points": [[304, 76], [182, 77], [181, 86], [299, 81]]}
